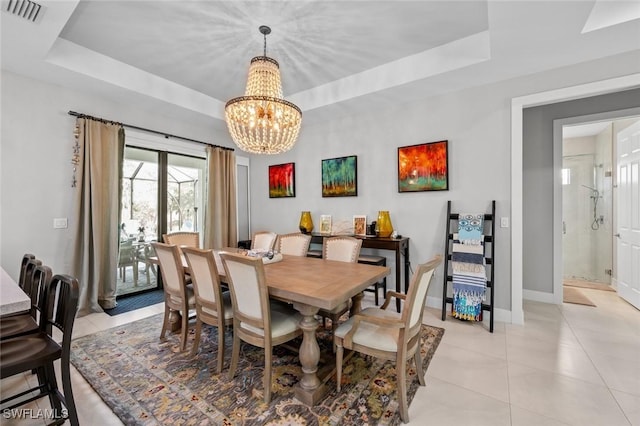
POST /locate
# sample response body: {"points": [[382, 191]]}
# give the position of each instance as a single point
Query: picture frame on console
{"points": [[423, 167], [340, 177]]}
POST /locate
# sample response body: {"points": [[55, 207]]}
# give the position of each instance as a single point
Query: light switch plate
{"points": [[59, 222], [504, 222]]}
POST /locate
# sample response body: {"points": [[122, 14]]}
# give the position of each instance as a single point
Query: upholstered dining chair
{"points": [[387, 334], [16, 325], [38, 352], [177, 294], [182, 239], [343, 249], [264, 240], [213, 306], [255, 320], [295, 244]]}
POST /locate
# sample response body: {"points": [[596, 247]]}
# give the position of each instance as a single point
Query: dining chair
{"points": [[213, 306], [23, 266], [177, 294], [255, 320], [342, 249], [264, 240], [387, 334], [182, 239], [127, 258], [295, 244], [27, 323], [39, 351]]}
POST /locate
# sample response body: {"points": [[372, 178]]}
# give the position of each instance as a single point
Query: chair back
{"points": [[206, 280], [60, 307], [182, 239], [417, 293], [249, 294], [264, 240], [27, 283], [172, 269], [126, 253], [23, 269], [41, 279], [343, 249], [295, 244]]}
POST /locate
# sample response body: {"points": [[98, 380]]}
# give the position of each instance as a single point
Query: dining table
{"points": [[311, 284], [12, 299]]}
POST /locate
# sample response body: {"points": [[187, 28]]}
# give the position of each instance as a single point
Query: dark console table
{"points": [[398, 245]]}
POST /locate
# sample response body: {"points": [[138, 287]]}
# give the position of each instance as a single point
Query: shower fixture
{"points": [[595, 196]]}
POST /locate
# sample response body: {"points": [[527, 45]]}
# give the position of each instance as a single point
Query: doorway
{"points": [[587, 185], [587, 208]]}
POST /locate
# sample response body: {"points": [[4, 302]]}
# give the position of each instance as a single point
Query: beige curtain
{"points": [[96, 213], [220, 224]]}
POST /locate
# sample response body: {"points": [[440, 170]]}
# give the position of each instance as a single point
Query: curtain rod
{"points": [[166, 135]]}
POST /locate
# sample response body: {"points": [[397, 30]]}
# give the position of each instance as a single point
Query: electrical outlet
{"points": [[504, 222], [59, 222]]}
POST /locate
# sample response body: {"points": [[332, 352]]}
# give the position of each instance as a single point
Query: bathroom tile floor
{"points": [[567, 365]]}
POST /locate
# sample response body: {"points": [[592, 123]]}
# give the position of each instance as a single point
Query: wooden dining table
{"points": [[311, 284]]}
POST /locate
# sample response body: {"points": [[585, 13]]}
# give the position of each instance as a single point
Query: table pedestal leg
{"points": [[356, 306], [310, 390]]}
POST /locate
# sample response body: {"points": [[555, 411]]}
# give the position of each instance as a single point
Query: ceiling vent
{"points": [[25, 9]]}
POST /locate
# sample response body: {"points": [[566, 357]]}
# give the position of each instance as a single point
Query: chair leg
{"points": [[165, 322], [185, 330], [419, 370], [220, 348], [72, 413], [196, 340], [375, 291], [235, 352], [52, 387], [339, 354], [401, 372], [267, 374]]}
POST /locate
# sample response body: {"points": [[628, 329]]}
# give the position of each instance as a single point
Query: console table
{"points": [[398, 245]]}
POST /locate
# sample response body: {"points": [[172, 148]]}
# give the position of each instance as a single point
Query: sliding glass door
{"points": [[161, 192]]}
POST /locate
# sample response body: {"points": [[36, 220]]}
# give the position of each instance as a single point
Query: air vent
{"points": [[25, 9]]}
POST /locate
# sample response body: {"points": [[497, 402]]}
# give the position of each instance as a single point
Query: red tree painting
{"points": [[282, 180], [423, 167]]}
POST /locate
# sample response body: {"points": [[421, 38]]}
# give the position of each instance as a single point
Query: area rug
{"points": [[149, 382], [574, 295]]}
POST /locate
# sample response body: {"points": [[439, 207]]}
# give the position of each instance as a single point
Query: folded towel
{"points": [[470, 226]]}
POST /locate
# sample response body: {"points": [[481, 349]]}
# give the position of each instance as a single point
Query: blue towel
{"points": [[470, 227], [469, 275]]}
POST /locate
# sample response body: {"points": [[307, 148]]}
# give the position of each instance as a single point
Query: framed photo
{"points": [[423, 167], [340, 177], [360, 224], [282, 180], [325, 224]]}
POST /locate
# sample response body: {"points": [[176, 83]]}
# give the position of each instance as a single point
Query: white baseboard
{"points": [[538, 296]]}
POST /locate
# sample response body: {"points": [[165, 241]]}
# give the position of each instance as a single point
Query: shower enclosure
{"points": [[587, 218]]}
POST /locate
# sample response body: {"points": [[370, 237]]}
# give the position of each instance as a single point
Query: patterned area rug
{"points": [[149, 382]]}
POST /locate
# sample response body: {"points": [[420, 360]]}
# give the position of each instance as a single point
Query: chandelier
{"points": [[261, 122]]}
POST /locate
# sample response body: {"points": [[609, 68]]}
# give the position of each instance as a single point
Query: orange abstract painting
{"points": [[423, 167]]}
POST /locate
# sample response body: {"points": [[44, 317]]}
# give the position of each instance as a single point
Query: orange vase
{"points": [[306, 223], [384, 228]]}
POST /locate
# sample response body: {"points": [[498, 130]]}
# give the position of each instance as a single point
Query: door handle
{"points": [[564, 227], [617, 235]]}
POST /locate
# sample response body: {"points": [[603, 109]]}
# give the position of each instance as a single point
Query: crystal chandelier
{"points": [[261, 122]]}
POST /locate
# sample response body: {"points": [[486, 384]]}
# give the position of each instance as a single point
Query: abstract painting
{"points": [[282, 180], [423, 167], [340, 177]]}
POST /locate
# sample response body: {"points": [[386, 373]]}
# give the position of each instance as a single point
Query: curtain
{"points": [[220, 222], [96, 213]]}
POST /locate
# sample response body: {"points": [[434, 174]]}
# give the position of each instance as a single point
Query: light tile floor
{"points": [[568, 365]]}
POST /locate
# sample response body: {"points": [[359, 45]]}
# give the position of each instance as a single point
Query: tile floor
{"points": [[568, 365]]}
